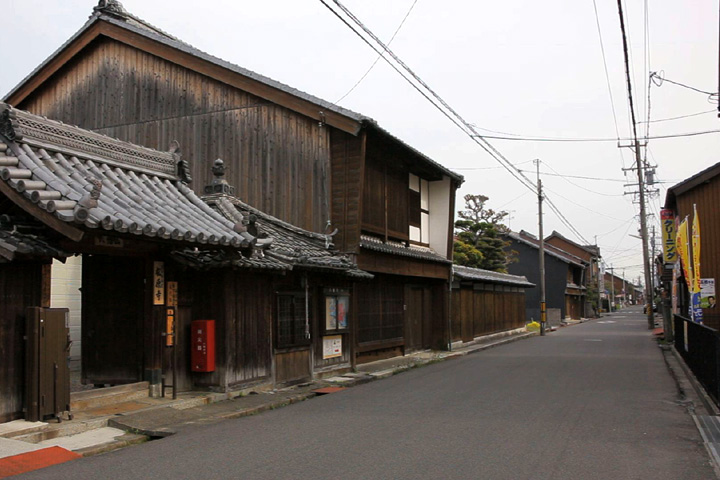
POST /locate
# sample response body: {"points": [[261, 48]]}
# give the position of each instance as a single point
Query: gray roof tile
{"points": [[86, 178], [397, 248], [477, 274]]}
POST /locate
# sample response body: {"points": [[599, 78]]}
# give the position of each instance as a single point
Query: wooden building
{"points": [[590, 254], [564, 278], [154, 251], [486, 302], [301, 159], [701, 191]]}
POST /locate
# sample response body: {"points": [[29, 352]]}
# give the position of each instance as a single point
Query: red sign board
{"points": [[202, 353]]}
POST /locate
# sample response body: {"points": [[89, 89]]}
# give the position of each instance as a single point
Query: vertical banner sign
{"points": [[684, 251], [668, 236], [172, 302], [697, 309], [158, 283]]}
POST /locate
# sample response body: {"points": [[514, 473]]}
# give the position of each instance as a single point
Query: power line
{"points": [[582, 206], [378, 57], [580, 186], [607, 80], [443, 106], [600, 139], [660, 80], [438, 103], [679, 117], [576, 176]]}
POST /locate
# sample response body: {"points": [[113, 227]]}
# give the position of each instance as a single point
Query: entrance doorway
{"points": [[112, 319]]}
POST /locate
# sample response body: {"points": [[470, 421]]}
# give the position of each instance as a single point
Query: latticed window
{"points": [[291, 328], [382, 315]]}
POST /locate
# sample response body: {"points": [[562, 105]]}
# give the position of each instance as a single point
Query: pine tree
{"points": [[479, 238]]}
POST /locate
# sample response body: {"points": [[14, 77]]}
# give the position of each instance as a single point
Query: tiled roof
{"points": [[207, 259], [488, 276], [290, 245], [397, 248], [549, 249], [113, 12], [14, 244], [91, 180]]}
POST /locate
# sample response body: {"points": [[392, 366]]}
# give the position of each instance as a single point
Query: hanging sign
{"points": [[668, 236], [170, 326], [158, 283], [695, 241], [172, 294]]}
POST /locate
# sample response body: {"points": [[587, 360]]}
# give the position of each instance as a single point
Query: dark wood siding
{"points": [[292, 366], [347, 186], [707, 198], [20, 287], [278, 160], [489, 309]]}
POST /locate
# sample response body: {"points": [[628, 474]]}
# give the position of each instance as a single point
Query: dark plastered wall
{"points": [[528, 265]]}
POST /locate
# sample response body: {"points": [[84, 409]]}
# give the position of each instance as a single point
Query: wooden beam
{"points": [[47, 218]]}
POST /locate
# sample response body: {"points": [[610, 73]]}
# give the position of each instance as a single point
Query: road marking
{"points": [[593, 340], [607, 321]]}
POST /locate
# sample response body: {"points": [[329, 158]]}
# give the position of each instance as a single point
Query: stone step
{"points": [[101, 397]]}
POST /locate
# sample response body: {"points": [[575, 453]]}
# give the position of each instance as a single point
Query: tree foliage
{"points": [[479, 238]]}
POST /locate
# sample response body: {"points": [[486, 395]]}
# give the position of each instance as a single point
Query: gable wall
{"points": [[278, 160]]}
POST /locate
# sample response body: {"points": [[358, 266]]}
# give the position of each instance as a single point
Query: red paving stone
{"points": [[27, 462], [326, 390]]}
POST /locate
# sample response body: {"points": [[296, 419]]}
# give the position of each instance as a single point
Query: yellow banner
{"points": [[696, 251], [684, 251]]}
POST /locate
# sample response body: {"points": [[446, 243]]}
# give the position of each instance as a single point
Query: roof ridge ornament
{"points": [[8, 125], [113, 7], [219, 185], [183, 165]]}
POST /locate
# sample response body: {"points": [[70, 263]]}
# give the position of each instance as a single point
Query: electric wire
{"points": [[577, 176], [679, 117], [439, 103], [377, 59], [580, 186], [445, 108], [607, 80], [600, 139], [659, 79], [581, 206]]}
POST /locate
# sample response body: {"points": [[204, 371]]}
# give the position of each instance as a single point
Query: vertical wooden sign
{"points": [[172, 302], [158, 283]]}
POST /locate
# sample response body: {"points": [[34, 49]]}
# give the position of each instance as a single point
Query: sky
{"points": [[520, 67]]}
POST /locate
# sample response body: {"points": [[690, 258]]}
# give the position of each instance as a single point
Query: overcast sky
{"points": [[521, 67]]}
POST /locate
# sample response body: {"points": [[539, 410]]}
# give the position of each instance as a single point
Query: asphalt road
{"points": [[591, 401]]}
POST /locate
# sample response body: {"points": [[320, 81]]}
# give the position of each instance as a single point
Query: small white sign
{"points": [[332, 346]]}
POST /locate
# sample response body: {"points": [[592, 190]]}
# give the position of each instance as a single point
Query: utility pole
{"points": [[624, 290], [543, 311], [612, 281], [640, 171], [652, 269]]}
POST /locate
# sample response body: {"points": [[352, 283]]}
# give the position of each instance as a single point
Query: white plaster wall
{"points": [[65, 284], [439, 221]]}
